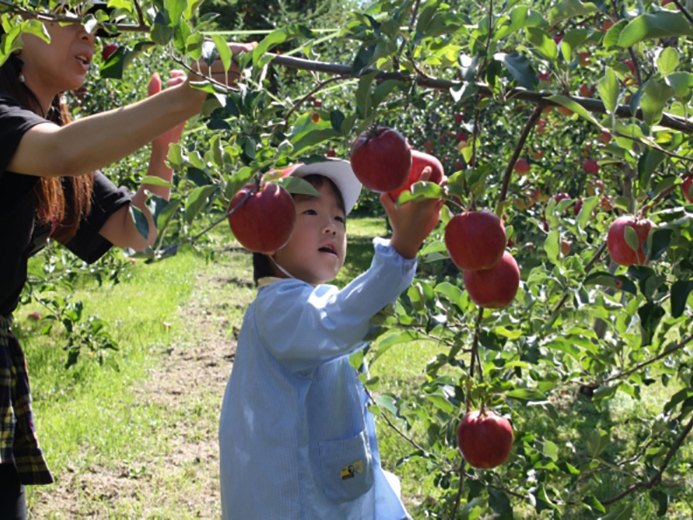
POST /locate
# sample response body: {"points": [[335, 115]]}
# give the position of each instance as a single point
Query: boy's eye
{"points": [[310, 212], [339, 219]]}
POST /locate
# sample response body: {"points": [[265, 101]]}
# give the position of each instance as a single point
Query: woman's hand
{"points": [[412, 222]]}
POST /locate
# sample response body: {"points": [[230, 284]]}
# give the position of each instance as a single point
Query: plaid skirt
{"points": [[18, 443]]}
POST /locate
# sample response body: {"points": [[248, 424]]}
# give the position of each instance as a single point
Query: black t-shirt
{"points": [[19, 235]]}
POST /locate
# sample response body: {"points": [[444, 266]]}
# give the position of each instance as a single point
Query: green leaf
{"points": [[140, 221], [650, 315], [223, 50], [571, 41], [647, 164], [388, 402], [544, 44], [597, 442], [568, 9], [383, 90], [631, 238], [421, 190], [525, 394], [363, 95], [362, 60], [667, 61], [520, 17], [608, 90], [520, 68], [656, 25], [298, 185], [682, 83], [612, 35], [196, 200], [662, 498], [552, 245], [550, 450], [679, 296], [620, 513], [451, 292], [657, 243], [592, 503], [153, 180], [575, 107], [655, 96], [500, 503], [605, 279], [175, 10], [588, 206]]}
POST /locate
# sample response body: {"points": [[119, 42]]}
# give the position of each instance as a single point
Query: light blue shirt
{"points": [[296, 439]]}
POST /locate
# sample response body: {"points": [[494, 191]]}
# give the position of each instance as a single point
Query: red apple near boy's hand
{"points": [[475, 240], [381, 159], [419, 161], [265, 221]]}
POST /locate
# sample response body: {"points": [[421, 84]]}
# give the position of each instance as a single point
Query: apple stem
{"points": [[476, 358], [529, 125]]}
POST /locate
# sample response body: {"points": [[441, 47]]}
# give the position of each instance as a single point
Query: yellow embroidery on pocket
{"points": [[352, 469]]}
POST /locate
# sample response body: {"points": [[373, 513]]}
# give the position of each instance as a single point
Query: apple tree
{"points": [[560, 117]]}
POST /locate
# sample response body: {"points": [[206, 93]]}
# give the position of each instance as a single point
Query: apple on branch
{"points": [[475, 240], [419, 161], [484, 439], [265, 221], [381, 159], [620, 250]]}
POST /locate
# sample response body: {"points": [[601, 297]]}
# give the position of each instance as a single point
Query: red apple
{"points": [[591, 166], [381, 159], [485, 439], [605, 137], [331, 153], [522, 167], [264, 223], [428, 146], [459, 118], [494, 288], [584, 58], [107, 50], [607, 24], [34, 316], [565, 247], [619, 250], [577, 207], [565, 111], [419, 161], [475, 240], [459, 166], [686, 187], [462, 136], [585, 91]]}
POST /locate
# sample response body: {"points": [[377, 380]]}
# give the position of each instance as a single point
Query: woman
{"points": [[50, 186]]}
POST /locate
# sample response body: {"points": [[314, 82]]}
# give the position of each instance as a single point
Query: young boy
{"points": [[296, 438]]}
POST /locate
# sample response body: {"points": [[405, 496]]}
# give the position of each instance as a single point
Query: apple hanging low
{"points": [[485, 439], [494, 288], [264, 223]]}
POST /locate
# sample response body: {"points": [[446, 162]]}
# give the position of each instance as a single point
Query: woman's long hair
{"points": [[49, 194]]}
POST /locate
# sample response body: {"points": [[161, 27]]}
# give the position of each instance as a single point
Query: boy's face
{"points": [[317, 248]]}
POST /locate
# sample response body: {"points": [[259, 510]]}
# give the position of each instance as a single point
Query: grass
{"points": [[101, 420]]}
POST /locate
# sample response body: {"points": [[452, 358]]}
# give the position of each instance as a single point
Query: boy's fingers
{"points": [[426, 174], [387, 203]]}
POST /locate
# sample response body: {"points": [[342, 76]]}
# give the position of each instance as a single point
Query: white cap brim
{"points": [[338, 171]]}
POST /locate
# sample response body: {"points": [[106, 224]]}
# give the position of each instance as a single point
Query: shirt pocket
{"points": [[346, 467]]}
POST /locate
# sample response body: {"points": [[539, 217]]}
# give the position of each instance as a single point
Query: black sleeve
{"points": [[14, 123], [88, 244]]}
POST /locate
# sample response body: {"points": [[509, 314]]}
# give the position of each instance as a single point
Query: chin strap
{"points": [[287, 273]]}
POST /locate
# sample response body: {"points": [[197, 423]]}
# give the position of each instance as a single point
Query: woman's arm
{"points": [[93, 142]]}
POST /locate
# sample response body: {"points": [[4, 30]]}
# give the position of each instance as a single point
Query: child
{"points": [[296, 438]]}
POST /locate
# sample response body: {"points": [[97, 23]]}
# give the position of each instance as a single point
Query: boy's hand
{"points": [[173, 135], [412, 222], [216, 69]]}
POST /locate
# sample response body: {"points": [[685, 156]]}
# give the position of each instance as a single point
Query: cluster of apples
{"points": [[476, 243]]}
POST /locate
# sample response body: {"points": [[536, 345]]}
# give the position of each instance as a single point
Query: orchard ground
{"points": [[137, 437]]}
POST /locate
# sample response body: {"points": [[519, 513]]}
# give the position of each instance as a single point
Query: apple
{"points": [[686, 187], [485, 439], [544, 76], [107, 50], [585, 91], [584, 58], [419, 161], [577, 207], [619, 250], [331, 153], [475, 240], [522, 167], [591, 166], [381, 159], [607, 24], [459, 118], [565, 247], [428, 146], [565, 111], [494, 288], [605, 137], [538, 154], [606, 203], [264, 223], [34, 316]]}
